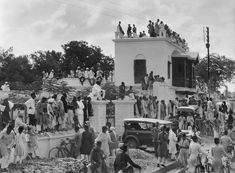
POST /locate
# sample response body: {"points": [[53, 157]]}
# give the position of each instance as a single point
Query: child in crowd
{"points": [[20, 145]]}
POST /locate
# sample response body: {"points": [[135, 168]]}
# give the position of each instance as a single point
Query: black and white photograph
{"points": [[117, 86]]}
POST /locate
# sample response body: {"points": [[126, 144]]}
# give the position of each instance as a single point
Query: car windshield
{"points": [[138, 126]]}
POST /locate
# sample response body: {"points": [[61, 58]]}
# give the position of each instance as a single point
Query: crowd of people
{"points": [[185, 146], [157, 29], [85, 74]]}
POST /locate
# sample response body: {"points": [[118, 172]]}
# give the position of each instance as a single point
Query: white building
{"points": [[135, 57]]}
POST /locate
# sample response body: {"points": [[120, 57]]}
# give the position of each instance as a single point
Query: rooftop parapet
{"points": [[159, 30]]}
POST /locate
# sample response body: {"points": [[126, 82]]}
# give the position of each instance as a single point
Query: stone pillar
{"points": [[99, 118], [123, 109]]}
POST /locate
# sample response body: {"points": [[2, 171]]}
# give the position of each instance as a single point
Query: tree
{"points": [[46, 61], [15, 68], [80, 54], [222, 69]]}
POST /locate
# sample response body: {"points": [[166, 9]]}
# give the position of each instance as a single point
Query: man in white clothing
{"points": [[172, 144], [30, 104], [80, 111], [91, 76]]}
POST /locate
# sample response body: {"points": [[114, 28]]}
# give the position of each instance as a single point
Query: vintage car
{"points": [[138, 131], [186, 110]]}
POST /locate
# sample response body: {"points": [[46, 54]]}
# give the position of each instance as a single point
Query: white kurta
{"points": [[30, 104], [172, 142], [105, 139], [80, 111], [91, 74], [86, 74], [95, 93]]}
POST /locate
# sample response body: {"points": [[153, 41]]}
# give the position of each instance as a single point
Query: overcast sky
{"points": [[30, 25]]}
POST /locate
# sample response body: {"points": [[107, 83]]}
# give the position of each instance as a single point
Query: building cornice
{"points": [[148, 39]]}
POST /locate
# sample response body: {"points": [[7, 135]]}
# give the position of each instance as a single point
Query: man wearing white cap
{"points": [[30, 104]]}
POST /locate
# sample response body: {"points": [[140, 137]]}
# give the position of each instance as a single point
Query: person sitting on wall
{"points": [[96, 91], [99, 75], [145, 82], [71, 73], [77, 73], [86, 74], [131, 93], [81, 76], [140, 35], [129, 31], [91, 76], [144, 34], [110, 78]]}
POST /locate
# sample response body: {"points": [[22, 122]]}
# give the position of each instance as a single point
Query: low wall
{"points": [[45, 143]]}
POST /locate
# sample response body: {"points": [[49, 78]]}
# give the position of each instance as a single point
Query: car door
{"points": [[145, 134]]}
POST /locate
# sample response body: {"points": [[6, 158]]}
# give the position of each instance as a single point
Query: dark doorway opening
{"points": [[139, 70]]}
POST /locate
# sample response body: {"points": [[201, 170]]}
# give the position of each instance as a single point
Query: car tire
{"points": [[132, 143]]}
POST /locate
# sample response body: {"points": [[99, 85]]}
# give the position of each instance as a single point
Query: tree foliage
{"points": [[15, 68], [46, 61], [80, 54], [222, 69], [28, 68]]}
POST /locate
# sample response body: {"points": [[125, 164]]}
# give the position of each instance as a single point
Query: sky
{"points": [[31, 25]]}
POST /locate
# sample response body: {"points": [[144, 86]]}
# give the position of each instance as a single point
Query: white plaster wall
{"points": [[157, 52], [123, 109]]}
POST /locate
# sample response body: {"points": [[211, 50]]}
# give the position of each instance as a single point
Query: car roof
{"points": [[149, 120], [186, 108]]}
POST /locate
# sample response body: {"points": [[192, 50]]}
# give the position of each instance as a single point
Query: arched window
{"points": [[139, 68]]}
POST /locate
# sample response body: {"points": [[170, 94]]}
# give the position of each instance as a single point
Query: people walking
{"points": [[20, 145], [114, 141], [98, 164], [87, 142], [172, 144], [80, 111], [76, 146], [162, 146], [155, 136], [194, 150], [105, 139], [7, 141], [217, 153], [184, 151]]}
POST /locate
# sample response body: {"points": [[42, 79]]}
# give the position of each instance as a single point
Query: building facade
{"points": [[135, 57]]}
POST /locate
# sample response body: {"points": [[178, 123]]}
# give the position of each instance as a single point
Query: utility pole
{"points": [[208, 58]]}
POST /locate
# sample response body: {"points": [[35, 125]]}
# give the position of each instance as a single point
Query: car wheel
{"points": [[132, 143]]}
